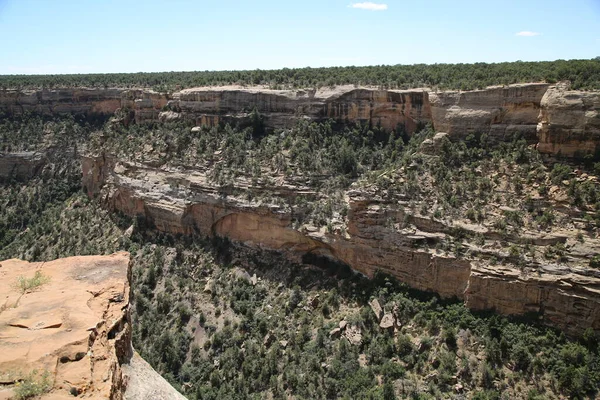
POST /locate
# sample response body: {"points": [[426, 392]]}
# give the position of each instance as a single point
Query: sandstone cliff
{"points": [[569, 122], [375, 237], [60, 101], [386, 108], [564, 122], [72, 327], [498, 111]]}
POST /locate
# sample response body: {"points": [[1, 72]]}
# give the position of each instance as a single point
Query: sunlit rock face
{"points": [[281, 108], [499, 112], [72, 326], [61, 101], [569, 122], [559, 121], [187, 203], [563, 122]]}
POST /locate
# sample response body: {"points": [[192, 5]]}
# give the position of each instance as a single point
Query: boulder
{"points": [[388, 321], [353, 334], [377, 309], [208, 288], [335, 333], [169, 116]]}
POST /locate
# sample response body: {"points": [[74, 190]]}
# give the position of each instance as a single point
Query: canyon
{"points": [[377, 234], [561, 121], [374, 238]]}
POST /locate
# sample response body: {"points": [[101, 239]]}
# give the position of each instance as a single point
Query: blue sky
{"points": [[80, 36]]}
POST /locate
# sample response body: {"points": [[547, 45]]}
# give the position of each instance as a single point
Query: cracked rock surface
{"points": [[73, 326], [69, 326]]}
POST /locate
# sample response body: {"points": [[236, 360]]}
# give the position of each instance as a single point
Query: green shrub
{"points": [[29, 284], [33, 385]]}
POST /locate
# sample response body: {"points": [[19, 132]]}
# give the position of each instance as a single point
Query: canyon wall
{"points": [[498, 111], [281, 108], [61, 101], [74, 329], [372, 240], [569, 122], [21, 165], [563, 122]]}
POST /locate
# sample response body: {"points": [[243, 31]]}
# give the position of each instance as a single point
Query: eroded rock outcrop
{"points": [[566, 298], [373, 239], [569, 122], [499, 112], [281, 108], [564, 122], [68, 320], [214, 105], [61, 101], [21, 165]]}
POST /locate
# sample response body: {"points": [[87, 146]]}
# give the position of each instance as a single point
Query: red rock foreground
{"points": [[73, 327]]}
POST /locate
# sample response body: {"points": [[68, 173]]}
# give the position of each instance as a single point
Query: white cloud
{"points": [[367, 5], [527, 33]]}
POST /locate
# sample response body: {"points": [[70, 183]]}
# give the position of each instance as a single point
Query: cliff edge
{"points": [[65, 331], [564, 122]]}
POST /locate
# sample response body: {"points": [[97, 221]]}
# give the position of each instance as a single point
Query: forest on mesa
{"points": [[213, 334], [582, 74]]}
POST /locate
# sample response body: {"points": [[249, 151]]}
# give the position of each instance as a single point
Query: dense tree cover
{"points": [[311, 151], [31, 132], [49, 218], [583, 74], [237, 340], [214, 335], [466, 180], [38, 213], [244, 341]]}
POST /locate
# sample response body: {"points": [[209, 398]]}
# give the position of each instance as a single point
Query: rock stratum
{"points": [[72, 327], [563, 122], [378, 235]]}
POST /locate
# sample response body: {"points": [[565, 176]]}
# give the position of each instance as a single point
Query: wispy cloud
{"points": [[527, 33], [367, 5]]}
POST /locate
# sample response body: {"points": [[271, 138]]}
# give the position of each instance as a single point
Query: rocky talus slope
{"points": [[68, 320], [562, 121]]}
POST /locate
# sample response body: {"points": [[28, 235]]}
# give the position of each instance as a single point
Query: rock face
{"points": [[566, 299], [569, 122], [498, 111], [177, 201], [564, 122], [21, 165], [213, 105], [73, 327], [61, 101], [281, 108], [185, 202]]}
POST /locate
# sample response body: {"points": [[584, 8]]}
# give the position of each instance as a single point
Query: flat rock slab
{"points": [[65, 327], [145, 383], [388, 321]]}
